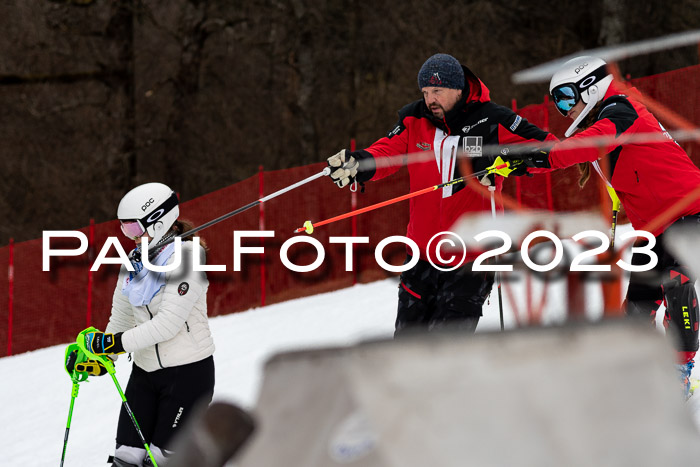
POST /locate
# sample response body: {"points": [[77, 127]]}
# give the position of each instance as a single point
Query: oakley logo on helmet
{"points": [[578, 69], [587, 82], [148, 203], [155, 216]]}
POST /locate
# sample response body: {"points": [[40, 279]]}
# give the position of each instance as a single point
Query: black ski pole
{"points": [[322, 173]]}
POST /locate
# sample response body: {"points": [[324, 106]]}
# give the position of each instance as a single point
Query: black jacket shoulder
{"points": [[414, 109], [619, 110]]}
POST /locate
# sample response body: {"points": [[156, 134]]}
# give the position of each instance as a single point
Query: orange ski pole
{"points": [[309, 227]]}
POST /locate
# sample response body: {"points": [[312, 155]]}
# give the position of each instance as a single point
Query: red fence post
{"points": [[353, 223], [261, 226], [10, 295], [91, 243]]}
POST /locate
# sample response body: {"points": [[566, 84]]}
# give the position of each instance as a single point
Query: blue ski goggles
{"points": [[565, 96]]}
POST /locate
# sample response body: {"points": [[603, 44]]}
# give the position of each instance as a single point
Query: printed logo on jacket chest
{"points": [[468, 128], [183, 288], [472, 145]]}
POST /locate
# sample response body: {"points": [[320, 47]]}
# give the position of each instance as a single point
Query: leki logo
{"points": [[423, 146]]}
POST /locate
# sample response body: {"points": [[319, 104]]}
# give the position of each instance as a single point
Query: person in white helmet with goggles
{"points": [[649, 177], [160, 317]]}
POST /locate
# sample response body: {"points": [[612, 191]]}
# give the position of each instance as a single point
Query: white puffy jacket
{"points": [[173, 329]]}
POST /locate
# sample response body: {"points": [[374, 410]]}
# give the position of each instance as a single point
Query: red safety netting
{"points": [[52, 307]]}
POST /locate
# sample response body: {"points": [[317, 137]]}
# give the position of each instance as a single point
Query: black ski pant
{"points": [[668, 281], [163, 400], [433, 300]]}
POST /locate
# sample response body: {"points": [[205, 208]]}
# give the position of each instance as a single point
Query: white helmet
{"points": [[150, 208], [582, 78]]}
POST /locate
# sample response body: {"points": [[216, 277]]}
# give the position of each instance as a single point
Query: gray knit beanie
{"points": [[442, 71]]}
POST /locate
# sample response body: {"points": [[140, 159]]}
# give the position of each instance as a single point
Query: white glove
{"points": [[486, 180], [344, 168]]}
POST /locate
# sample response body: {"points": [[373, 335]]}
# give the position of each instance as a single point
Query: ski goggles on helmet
{"points": [[132, 229], [565, 97], [136, 228]]}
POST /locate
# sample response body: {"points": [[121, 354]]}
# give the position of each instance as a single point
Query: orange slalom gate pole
{"points": [[309, 227]]}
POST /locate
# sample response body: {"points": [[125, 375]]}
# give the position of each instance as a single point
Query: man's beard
{"points": [[435, 109]]}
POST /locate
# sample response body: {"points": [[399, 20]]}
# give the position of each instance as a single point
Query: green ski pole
{"points": [[74, 394], [76, 378], [109, 365]]}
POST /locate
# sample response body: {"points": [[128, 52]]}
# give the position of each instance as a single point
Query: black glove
{"points": [[100, 343], [520, 160], [344, 168], [518, 168], [91, 367], [538, 158]]}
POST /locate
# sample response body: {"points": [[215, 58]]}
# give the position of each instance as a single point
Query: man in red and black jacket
{"points": [[454, 118]]}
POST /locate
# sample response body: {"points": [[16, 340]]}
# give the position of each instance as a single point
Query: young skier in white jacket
{"points": [[160, 318]]}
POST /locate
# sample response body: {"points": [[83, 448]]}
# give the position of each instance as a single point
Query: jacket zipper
{"points": [[636, 175], [157, 352], [444, 120]]}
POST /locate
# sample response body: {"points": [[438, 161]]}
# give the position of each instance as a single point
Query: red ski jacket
{"points": [[649, 177], [474, 122]]}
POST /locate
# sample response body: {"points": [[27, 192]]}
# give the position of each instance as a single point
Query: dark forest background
{"points": [[98, 96]]}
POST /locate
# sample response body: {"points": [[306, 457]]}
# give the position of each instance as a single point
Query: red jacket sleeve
{"points": [[577, 149], [389, 152]]}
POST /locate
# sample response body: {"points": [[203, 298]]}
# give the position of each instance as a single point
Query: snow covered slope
{"points": [[35, 390]]}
